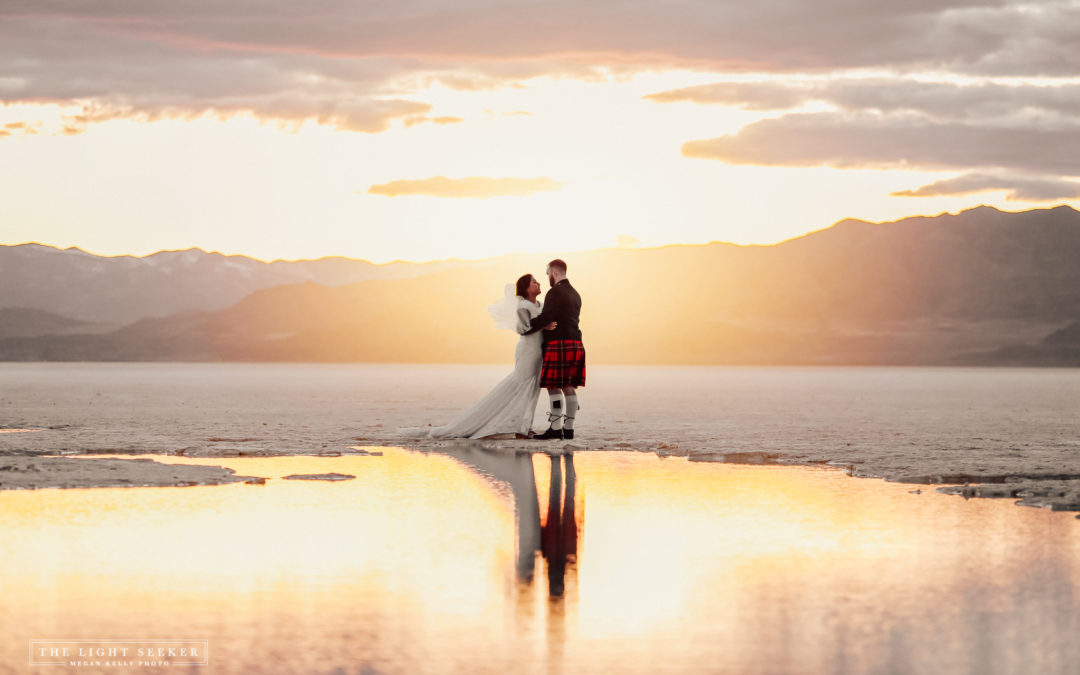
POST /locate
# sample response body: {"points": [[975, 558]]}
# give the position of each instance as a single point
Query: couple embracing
{"points": [[549, 355]]}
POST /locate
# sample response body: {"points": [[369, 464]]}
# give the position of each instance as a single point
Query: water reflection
{"points": [[555, 538], [478, 561], [559, 535]]}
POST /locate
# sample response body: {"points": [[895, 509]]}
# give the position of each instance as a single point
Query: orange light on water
{"points": [[430, 558]]}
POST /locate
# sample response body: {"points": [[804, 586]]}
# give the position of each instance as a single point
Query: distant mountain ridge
{"points": [[118, 290], [22, 323], [979, 287]]}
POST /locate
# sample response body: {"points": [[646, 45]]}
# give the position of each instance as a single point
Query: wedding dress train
{"points": [[510, 406]]}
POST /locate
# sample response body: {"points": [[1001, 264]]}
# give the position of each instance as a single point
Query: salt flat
{"points": [[1016, 431]]}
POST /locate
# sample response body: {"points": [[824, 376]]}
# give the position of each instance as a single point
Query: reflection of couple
{"points": [[556, 538], [549, 355], [559, 533]]}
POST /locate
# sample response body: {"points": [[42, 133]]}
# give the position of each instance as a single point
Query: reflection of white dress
{"points": [[509, 407]]}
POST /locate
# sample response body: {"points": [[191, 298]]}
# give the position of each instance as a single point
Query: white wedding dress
{"points": [[510, 406]]}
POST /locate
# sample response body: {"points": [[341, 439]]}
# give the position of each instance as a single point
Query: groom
{"points": [[564, 356]]}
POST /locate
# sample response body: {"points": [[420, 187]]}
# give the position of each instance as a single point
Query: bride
{"points": [[509, 407]]}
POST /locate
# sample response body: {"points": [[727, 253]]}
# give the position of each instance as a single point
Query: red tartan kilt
{"points": [[564, 364]]}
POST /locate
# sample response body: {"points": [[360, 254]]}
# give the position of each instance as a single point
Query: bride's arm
{"points": [[523, 326]]}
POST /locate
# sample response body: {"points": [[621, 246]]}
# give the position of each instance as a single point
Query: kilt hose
{"points": [[564, 364]]}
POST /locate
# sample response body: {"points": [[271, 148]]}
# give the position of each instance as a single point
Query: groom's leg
{"points": [[557, 412], [570, 397]]}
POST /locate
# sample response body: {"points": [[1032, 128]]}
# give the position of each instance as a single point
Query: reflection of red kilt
{"points": [[564, 364]]}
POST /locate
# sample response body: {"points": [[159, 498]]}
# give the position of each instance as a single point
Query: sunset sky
{"points": [[417, 130]]}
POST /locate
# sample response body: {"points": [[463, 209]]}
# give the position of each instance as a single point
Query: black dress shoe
{"points": [[549, 435], [568, 434]]}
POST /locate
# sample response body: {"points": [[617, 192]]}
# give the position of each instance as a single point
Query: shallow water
{"points": [[470, 561]]}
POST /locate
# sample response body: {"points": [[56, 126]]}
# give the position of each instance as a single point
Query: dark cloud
{"points": [[342, 62], [895, 141], [125, 64], [1018, 187], [1026, 130], [114, 74], [768, 34], [476, 187]]}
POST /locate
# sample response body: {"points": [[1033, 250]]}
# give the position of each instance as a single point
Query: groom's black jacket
{"points": [[562, 304]]}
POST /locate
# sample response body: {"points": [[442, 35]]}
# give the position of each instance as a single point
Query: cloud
{"points": [[129, 60], [939, 100], [850, 141], [512, 113], [749, 95], [1007, 36], [476, 187], [1018, 187], [413, 121], [369, 115], [279, 57], [112, 70], [1011, 136]]}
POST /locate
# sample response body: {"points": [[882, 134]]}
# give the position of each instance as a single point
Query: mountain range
{"points": [[117, 290], [982, 287]]}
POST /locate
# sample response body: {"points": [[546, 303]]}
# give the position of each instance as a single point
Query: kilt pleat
{"points": [[564, 364]]}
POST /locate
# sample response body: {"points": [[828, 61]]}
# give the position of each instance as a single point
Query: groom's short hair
{"points": [[557, 264]]}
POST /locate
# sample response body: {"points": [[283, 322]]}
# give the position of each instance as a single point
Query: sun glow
{"points": [[607, 159]]}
